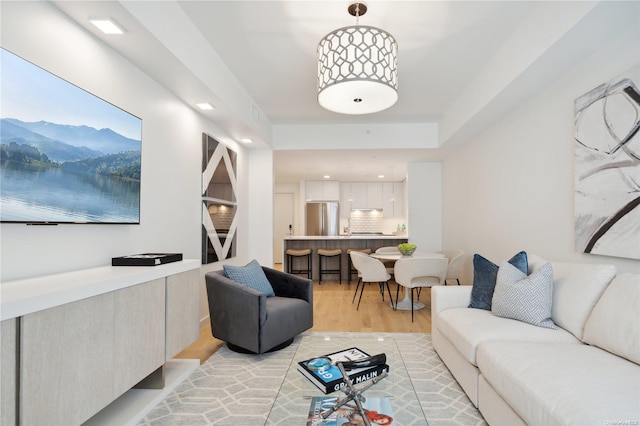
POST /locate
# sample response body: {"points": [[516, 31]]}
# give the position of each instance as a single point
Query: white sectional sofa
{"points": [[585, 372]]}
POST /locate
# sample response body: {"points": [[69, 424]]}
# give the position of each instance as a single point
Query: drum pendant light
{"points": [[357, 68]]}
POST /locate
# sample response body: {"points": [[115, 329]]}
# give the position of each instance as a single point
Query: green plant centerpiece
{"points": [[406, 249]]}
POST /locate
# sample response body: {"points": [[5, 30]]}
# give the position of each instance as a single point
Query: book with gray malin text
{"points": [[330, 379]]}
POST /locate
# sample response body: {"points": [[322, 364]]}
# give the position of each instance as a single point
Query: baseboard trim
{"points": [[204, 321]]}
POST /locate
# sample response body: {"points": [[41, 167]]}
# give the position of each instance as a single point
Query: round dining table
{"points": [[405, 304]]}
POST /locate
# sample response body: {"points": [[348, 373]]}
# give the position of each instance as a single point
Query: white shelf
{"points": [[22, 297], [135, 404]]}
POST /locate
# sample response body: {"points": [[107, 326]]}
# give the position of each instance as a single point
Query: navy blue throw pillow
{"points": [[485, 274]]}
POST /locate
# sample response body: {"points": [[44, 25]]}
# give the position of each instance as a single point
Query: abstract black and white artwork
{"points": [[607, 168]]}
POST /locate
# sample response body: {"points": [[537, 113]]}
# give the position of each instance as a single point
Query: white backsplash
{"points": [[222, 216], [366, 221], [370, 221]]}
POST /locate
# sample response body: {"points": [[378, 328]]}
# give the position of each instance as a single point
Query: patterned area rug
{"points": [[229, 390]]}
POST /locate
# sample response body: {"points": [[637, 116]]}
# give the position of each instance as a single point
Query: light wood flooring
{"points": [[333, 311]]}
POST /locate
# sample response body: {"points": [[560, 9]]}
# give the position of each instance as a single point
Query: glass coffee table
{"points": [[291, 406]]}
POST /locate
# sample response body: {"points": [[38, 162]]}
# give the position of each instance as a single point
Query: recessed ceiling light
{"points": [[380, 176], [204, 105], [107, 26], [246, 140], [327, 177]]}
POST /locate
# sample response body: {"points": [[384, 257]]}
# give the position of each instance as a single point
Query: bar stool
{"points": [[352, 269], [325, 254], [299, 253]]}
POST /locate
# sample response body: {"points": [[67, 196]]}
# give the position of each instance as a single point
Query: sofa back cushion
{"points": [[576, 290], [614, 323]]}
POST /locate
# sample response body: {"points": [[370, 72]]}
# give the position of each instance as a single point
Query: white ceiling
{"points": [[270, 46], [256, 62]]}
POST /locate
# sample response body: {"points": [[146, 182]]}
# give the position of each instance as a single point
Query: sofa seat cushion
{"points": [[466, 328], [562, 384], [286, 317], [283, 312]]}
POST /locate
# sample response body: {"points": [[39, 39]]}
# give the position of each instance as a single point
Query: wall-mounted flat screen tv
{"points": [[66, 155]]}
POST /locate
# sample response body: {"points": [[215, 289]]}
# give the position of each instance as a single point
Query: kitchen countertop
{"points": [[343, 242], [346, 237]]}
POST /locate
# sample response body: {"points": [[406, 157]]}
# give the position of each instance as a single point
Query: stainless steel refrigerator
{"points": [[323, 218]]}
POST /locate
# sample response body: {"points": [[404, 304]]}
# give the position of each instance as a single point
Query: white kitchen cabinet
{"points": [[364, 195], [323, 190], [388, 196], [331, 190], [358, 195], [393, 199], [374, 195], [345, 200], [314, 190]]}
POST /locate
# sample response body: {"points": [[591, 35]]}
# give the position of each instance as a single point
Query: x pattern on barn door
{"points": [[219, 201]]}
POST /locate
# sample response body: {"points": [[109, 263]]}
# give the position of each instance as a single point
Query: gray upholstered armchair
{"points": [[249, 321]]}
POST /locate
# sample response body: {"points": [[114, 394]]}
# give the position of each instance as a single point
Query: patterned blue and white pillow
{"points": [[250, 275], [523, 298]]}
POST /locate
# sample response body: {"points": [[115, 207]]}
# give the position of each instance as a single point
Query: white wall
{"points": [[170, 151], [258, 236], [171, 159], [511, 188], [424, 201]]}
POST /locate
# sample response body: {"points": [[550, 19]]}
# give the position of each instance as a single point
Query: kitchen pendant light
{"points": [[357, 68]]}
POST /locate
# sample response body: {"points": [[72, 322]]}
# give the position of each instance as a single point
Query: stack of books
{"points": [[329, 379]]}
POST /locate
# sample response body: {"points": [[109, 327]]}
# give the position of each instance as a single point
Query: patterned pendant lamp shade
{"points": [[357, 70]]}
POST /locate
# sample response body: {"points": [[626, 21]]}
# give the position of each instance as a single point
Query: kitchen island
{"points": [[343, 242]]}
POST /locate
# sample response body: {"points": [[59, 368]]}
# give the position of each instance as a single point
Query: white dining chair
{"points": [[413, 273], [390, 250], [370, 270], [454, 270]]}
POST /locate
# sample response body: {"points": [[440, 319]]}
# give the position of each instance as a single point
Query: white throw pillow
{"points": [[576, 289], [523, 298], [614, 323]]}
